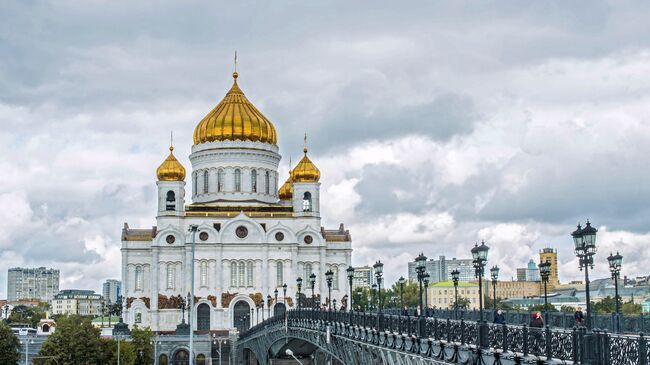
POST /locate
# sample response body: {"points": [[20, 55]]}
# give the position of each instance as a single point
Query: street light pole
{"points": [[401, 292], [350, 271], [329, 276], [479, 256], [193, 229], [494, 273], [379, 271], [299, 285], [615, 262], [584, 240], [312, 282], [545, 273], [425, 309], [455, 276], [420, 268]]}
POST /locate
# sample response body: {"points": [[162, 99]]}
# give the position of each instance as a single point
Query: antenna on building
{"points": [[235, 70]]}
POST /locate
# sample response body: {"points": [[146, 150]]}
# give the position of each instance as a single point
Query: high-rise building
{"points": [[528, 273], [363, 277], [550, 255], [32, 283], [75, 301], [111, 290], [440, 270], [442, 294]]}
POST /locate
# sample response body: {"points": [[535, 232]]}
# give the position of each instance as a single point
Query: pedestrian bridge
{"points": [[323, 337]]}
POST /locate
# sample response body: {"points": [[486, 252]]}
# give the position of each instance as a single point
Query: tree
{"points": [[631, 308], [567, 309], [607, 305], [75, 341], [141, 339], [28, 315], [9, 345], [411, 293], [463, 303], [500, 304], [540, 308]]}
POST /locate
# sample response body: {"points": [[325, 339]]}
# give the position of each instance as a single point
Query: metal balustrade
{"points": [[429, 337]]}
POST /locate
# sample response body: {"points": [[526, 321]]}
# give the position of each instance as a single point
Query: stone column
{"points": [[219, 275], [155, 279]]}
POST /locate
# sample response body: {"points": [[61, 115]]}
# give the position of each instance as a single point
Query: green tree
{"points": [[75, 342], [28, 315], [489, 304], [411, 290], [540, 308], [567, 309], [631, 308], [463, 303], [141, 339], [607, 305], [9, 345]]}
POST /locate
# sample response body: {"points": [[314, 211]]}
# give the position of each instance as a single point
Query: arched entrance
{"points": [[203, 317], [45, 328], [241, 317], [279, 309], [162, 360], [181, 357]]}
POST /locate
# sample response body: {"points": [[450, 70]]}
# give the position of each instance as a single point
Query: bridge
{"points": [[324, 337]]}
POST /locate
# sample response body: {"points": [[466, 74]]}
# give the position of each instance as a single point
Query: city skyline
{"points": [[437, 132]]}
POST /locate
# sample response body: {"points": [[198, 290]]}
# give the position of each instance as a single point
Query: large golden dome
{"points": [[235, 118], [305, 171], [171, 169]]}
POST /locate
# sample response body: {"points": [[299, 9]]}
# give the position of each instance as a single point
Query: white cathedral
{"points": [[245, 236]]}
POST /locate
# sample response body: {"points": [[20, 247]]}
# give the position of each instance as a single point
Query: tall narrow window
{"points": [[307, 271], [279, 274], [249, 273], [203, 274], [220, 180], [335, 279], [254, 181], [139, 281], [306, 202], [267, 181], [242, 274], [171, 276], [233, 274], [237, 180], [195, 183], [170, 201], [138, 316], [205, 182]]}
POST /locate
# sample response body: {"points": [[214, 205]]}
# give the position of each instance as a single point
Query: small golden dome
{"points": [[171, 169], [286, 190], [305, 171], [235, 118]]}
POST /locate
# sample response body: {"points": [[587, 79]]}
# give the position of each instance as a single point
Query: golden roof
{"points": [[235, 118], [305, 171], [286, 190], [171, 169]]}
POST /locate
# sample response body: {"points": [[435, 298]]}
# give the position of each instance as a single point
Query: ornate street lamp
{"points": [[379, 269], [312, 282], [420, 269], [479, 258], [545, 274], [494, 274], [615, 262], [455, 276], [299, 284], [373, 296], [275, 302], [401, 291], [584, 240], [426, 293], [329, 277], [350, 272], [284, 293]]}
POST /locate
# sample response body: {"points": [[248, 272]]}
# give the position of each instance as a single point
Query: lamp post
{"points": [[299, 285], [426, 294], [284, 293], [455, 276], [494, 274], [27, 341], [373, 296], [479, 259], [545, 274], [420, 269], [615, 262], [193, 229], [584, 240], [275, 302], [312, 282], [350, 271], [218, 341], [401, 282], [329, 276], [379, 271]]}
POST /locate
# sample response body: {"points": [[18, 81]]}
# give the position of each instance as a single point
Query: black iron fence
{"points": [[607, 322], [575, 345]]}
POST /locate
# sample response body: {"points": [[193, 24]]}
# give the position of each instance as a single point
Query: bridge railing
{"points": [[567, 345]]}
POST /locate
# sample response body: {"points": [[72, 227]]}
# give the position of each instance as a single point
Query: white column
{"points": [[219, 275], [265, 271], [155, 278]]}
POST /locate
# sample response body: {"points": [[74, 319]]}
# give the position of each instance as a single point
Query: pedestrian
{"points": [[579, 317], [417, 311], [537, 321], [499, 317], [405, 311]]}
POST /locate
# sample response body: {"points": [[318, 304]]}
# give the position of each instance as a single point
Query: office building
{"points": [[440, 269], [363, 277], [111, 290], [32, 283], [75, 301]]}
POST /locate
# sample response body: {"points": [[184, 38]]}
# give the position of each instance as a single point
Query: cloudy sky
{"points": [[435, 124]]}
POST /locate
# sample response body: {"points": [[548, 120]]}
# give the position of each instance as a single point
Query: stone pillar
{"points": [[219, 275], [155, 279], [265, 272]]}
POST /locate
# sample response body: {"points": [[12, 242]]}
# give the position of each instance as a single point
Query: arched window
{"points": [[162, 360], [233, 274], [335, 278], [249, 269], [170, 201], [203, 279], [220, 180], [139, 281], [267, 181], [242, 274], [237, 180], [138, 316], [200, 359], [171, 276], [279, 274], [306, 202], [205, 181], [308, 272], [254, 181]]}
